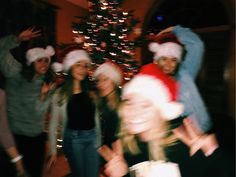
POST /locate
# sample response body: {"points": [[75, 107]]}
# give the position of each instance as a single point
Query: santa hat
{"points": [[110, 70], [152, 84], [75, 56], [57, 67], [166, 45], [36, 53]]}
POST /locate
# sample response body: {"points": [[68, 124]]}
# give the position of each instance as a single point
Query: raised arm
{"points": [[194, 47], [8, 64]]}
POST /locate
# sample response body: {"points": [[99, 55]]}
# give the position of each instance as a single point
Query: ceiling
{"points": [[81, 3]]}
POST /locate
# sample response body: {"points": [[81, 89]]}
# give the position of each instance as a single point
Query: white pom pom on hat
{"points": [[111, 70], [57, 67], [152, 84], [153, 46], [75, 56], [37, 53]]}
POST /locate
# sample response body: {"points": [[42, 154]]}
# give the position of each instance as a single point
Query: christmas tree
{"points": [[107, 34]]}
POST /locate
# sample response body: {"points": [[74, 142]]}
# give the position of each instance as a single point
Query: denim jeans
{"points": [[79, 147]]}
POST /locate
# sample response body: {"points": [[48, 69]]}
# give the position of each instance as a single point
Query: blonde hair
{"points": [[156, 147]]}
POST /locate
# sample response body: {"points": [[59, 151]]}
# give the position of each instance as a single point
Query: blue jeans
{"points": [[79, 147]]}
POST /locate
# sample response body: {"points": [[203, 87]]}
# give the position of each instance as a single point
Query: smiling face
{"points": [[167, 64], [79, 70], [41, 65], [139, 115]]}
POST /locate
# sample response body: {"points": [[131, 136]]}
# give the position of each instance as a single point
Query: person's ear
{"points": [[155, 61]]}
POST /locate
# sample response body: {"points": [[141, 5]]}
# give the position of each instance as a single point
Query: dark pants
{"points": [[33, 151]]}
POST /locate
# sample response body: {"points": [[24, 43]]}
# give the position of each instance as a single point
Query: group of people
{"points": [[154, 125]]}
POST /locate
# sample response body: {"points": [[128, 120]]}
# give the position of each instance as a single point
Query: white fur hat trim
{"points": [[168, 49], [111, 71], [57, 67], [75, 56], [37, 53], [153, 89]]}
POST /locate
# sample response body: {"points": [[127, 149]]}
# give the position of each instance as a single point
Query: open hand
{"points": [[51, 161], [45, 89], [28, 34]]}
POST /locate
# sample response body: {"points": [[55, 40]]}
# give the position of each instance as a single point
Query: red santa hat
{"points": [[111, 70], [152, 84], [166, 45], [36, 53]]}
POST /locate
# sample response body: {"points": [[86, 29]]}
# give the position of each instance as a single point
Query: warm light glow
{"points": [[75, 32], [105, 3], [113, 54], [125, 51], [103, 8]]}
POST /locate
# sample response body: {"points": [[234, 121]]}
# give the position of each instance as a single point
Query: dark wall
{"points": [[17, 15]]}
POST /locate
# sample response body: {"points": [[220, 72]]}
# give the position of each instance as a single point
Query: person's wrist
{"points": [[197, 144], [16, 159], [210, 145]]}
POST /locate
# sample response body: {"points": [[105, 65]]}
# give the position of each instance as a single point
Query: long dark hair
{"points": [[28, 72], [67, 88]]}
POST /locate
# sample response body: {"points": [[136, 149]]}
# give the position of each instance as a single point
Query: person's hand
{"points": [[167, 30], [19, 168], [28, 34], [116, 165], [45, 89], [51, 161], [189, 134]]}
